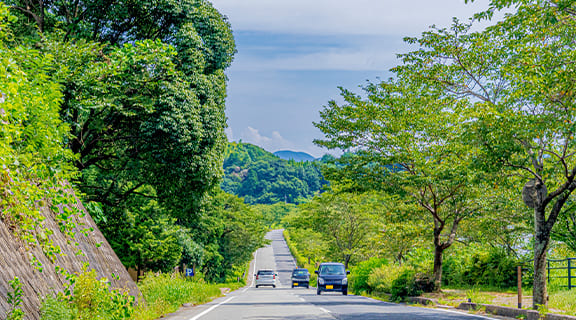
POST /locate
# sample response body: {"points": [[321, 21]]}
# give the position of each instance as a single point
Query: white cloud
{"points": [[273, 143], [375, 17]]}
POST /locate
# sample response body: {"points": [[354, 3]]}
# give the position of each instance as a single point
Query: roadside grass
{"points": [[166, 293], [161, 294]]}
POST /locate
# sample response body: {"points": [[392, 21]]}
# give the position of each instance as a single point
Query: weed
{"points": [[15, 300]]}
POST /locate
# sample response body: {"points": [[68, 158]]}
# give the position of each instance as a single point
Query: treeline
{"points": [[127, 105], [470, 146], [260, 177]]}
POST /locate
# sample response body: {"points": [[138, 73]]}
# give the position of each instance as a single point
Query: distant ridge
{"points": [[293, 155]]}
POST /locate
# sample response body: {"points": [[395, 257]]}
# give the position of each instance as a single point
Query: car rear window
{"points": [[300, 272], [265, 272]]}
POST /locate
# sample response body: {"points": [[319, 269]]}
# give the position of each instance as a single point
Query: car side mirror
{"points": [[347, 272], [316, 271]]}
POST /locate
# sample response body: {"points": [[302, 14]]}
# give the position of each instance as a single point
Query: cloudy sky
{"points": [[294, 54]]}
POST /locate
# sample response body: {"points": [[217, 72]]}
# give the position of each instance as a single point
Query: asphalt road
{"points": [[283, 302]]}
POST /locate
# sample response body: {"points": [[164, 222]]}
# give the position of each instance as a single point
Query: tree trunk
{"points": [[541, 242], [438, 255], [346, 260]]}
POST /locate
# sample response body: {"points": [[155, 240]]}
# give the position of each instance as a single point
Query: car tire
{"points": [[256, 286], [292, 286], [307, 286], [345, 292], [318, 292], [273, 286]]}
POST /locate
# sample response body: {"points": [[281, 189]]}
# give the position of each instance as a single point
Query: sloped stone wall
{"points": [[15, 261]]}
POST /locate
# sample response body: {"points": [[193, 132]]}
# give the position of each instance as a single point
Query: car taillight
{"points": [[257, 277], [273, 276]]}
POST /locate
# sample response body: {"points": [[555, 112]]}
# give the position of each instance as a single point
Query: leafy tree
{"points": [[517, 77], [144, 92], [405, 139], [345, 221], [230, 231]]}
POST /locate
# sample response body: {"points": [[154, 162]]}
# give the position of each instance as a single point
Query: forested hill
{"points": [[261, 177]]}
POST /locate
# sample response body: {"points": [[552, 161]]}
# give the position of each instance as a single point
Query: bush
{"points": [[405, 286], [55, 309], [381, 278], [360, 274]]}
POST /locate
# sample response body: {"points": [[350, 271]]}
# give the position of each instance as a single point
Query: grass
{"points": [[166, 293], [161, 294]]}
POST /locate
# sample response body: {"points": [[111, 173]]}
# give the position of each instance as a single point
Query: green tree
{"points": [[230, 232], [406, 140], [517, 76], [345, 221]]}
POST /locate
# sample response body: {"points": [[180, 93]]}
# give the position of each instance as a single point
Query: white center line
{"points": [[324, 310], [210, 309]]}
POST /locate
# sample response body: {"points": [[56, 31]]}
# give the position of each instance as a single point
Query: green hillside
{"points": [[261, 177]]}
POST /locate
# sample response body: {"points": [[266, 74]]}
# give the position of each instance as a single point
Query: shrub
{"points": [[381, 278], [55, 309], [494, 268], [359, 275], [405, 286]]}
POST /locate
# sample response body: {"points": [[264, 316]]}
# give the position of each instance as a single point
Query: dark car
{"points": [[332, 277], [300, 278]]}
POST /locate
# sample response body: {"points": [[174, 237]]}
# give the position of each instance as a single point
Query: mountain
{"points": [[293, 155], [260, 177]]}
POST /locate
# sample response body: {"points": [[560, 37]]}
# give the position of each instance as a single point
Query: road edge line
{"points": [[210, 309]]}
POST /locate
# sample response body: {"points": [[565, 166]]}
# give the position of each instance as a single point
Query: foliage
{"points": [[273, 214], [472, 266], [404, 286], [516, 78], [406, 139], [34, 162], [165, 293], [262, 178], [89, 298], [344, 221], [381, 278], [230, 231], [140, 90], [14, 298], [359, 274], [56, 309]]}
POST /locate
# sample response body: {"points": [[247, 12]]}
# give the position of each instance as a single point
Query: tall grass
{"points": [[166, 293], [161, 294]]}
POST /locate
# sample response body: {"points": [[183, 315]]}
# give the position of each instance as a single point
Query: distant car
{"points": [[266, 277], [332, 277], [300, 278]]}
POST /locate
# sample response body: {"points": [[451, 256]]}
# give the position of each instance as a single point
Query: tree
{"points": [[344, 220], [144, 92], [517, 75], [406, 138], [230, 232]]}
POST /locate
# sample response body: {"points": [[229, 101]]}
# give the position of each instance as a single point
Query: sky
{"points": [[294, 54]]}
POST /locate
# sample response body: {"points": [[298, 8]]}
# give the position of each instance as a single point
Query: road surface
{"points": [[283, 302]]}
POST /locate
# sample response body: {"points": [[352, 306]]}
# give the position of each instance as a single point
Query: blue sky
{"points": [[294, 54]]}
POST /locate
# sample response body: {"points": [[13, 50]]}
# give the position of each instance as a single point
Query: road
{"points": [[283, 302]]}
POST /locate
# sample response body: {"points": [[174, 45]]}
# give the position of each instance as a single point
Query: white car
{"points": [[266, 277]]}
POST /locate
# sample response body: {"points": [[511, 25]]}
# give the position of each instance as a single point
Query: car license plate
{"points": [[329, 286], [295, 284]]}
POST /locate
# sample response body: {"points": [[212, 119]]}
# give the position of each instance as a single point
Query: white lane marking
{"points": [[324, 310], [245, 289], [465, 314], [302, 299], [210, 309]]}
